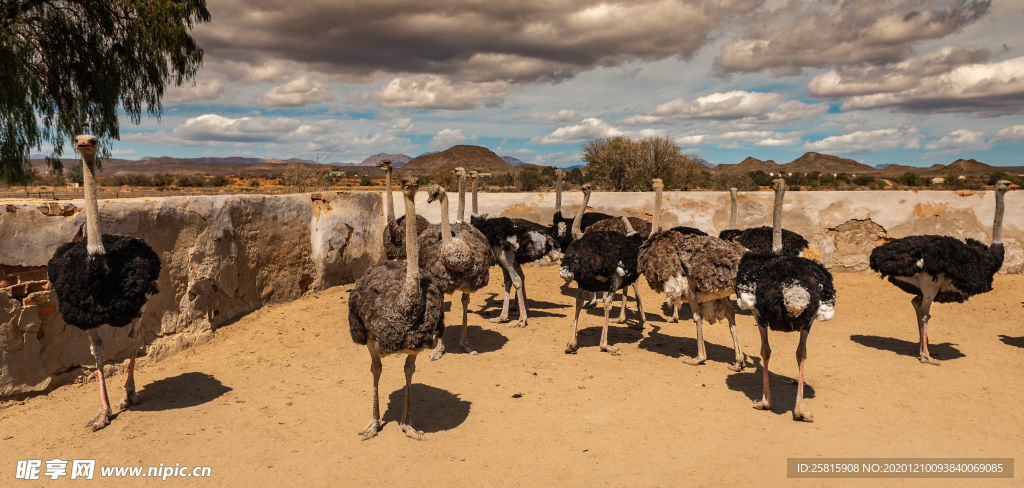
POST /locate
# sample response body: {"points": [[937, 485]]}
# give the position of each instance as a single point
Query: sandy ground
{"points": [[278, 397]]}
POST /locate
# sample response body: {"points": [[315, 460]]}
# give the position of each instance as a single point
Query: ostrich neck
{"points": [[997, 223], [577, 222], [777, 221], [476, 209], [732, 208], [94, 239], [558, 195], [656, 224], [446, 229], [391, 201], [412, 248], [461, 216]]}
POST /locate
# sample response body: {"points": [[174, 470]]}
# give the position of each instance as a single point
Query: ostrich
{"points": [[941, 268], [562, 225], [394, 233], [787, 294], [514, 242], [105, 279], [457, 258], [759, 239], [700, 269], [395, 308]]}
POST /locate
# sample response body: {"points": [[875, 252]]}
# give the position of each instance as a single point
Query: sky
{"points": [[914, 82]]}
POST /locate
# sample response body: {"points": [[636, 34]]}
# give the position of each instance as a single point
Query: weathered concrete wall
{"points": [[223, 257], [845, 226]]}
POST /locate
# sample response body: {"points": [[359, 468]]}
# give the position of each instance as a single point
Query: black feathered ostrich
{"points": [[563, 225], [394, 232], [941, 268], [396, 308], [104, 279], [787, 294], [759, 239], [601, 261]]}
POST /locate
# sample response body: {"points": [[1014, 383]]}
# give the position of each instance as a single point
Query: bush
{"points": [[424, 180], [548, 171], [725, 180], [304, 177], [626, 164], [217, 181], [953, 182], [529, 180], [74, 175], [1002, 175], [759, 178], [864, 180], [365, 181], [446, 179], [574, 176], [911, 178], [254, 183], [165, 179]]}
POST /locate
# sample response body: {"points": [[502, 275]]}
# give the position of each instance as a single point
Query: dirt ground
{"points": [[279, 396]]}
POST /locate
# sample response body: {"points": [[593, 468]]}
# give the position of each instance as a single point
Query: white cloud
{"points": [[203, 90], [862, 142], [299, 92], [446, 138], [731, 139], [963, 139], [1014, 133], [559, 159], [740, 106], [588, 129], [436, 92], [122, 152], [401, 125], [563, 115]]}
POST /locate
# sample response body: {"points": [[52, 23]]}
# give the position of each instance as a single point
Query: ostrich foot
{"points": [[412, 433], [763, 405], [695, 361], [737, 366], [929, 360], [438, 351], [130, 398], [101, 420], [673, 320], [618, 320], [609, 348], [370, 431], [516, 323], [800, 414], [570, 348], [469, 349], [498, 320], [637, 326]]}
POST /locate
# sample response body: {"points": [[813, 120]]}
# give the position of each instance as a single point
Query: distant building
{"points": [[938, 181]]}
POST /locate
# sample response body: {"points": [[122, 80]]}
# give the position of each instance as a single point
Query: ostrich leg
{"points": [[622, 312], [508, 287], [702, 354], [406, 423], [923, 305], [370, 431], [465, 325], [639, 308], [520, 295], [766, 352], [134, 342], [103, 417], [799, 413], [571, 347], [741, 359], [605, 347]]}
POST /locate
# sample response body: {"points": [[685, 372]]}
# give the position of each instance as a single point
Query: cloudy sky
{"points": [[914, 82]]}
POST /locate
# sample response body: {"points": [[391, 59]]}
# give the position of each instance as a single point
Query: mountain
{"points": [[705, 162], [750, 164], [397, 160], [968, 166], [511, 160], [882, 165], [470, 157], [826, 163]]}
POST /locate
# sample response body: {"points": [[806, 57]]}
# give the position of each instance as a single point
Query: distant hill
{"points": [[969, 166], [750, 164], [883, 165], [397, 160], [512, 161], [705, 162], [232, 160], [826, 163], [470, 157]]}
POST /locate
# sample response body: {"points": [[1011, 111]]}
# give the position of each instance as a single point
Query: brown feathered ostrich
{"points": [[942, 268], [394, 232], [105, 279], [699, 269], [396, 308], [458, 258], [786, 294]]}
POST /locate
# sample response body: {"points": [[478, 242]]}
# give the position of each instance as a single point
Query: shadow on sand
{"points": [[1012, 341], [944, 351], [483, 340], [677, 347], [432, 410], [182, 391], [750, 383]]}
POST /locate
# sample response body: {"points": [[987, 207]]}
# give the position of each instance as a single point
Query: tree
{"points": [[630, 165], [74, 63]]}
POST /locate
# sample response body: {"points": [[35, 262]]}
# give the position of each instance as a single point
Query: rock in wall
{"points": [[223, 257]]}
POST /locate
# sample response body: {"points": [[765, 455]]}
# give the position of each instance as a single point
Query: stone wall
{"points": [[223, 257], [844, 226]]}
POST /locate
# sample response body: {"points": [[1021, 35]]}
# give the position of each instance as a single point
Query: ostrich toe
{"points": [[697, 361], [412, 433], [516, 323], [571, 348], [800, 414], [438, 351], [370, 431], [130, 398], [609, 348], [469, 349], [498, 320], [101, 420], [763, 405], [929, 360], [737, 366]]}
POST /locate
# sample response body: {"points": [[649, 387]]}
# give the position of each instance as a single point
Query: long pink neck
{"points": [[94, 239]]}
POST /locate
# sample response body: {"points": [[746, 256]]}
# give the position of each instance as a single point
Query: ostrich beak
{"points": [[1012, 186]]}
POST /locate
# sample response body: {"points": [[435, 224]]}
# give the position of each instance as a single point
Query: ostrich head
{"points": [[434, 192], [587, 188], [657, 184], [460, 172], [410, 185], [1004, 185], [87, 145], [384, 164], [778, 184], [473, 174], [559, 173]]}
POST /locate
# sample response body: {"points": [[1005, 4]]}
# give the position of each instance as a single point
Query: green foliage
{"points": [[827, 180], [186, 181], [70, 63], [446, 179], [626, 164], [759, 178], [1002, 175], [911, 178], [864, 180], [304, 177], [529, 181], [548, 171], [725, 180], [165, 179], [424, 180], [75, 175], [954, 182], [217, 181], [574, 176], [366, 181]]}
